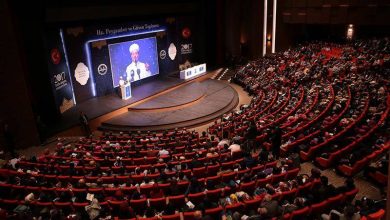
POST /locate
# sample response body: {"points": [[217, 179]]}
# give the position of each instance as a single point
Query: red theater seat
{"points": [[300, 213], [80, 206], [278, 177], [319, 208], [215, 213], [292, 173], [177, 201], [196, 198], [171, 217], [234, 207], [336, 200], [288, 195], [152, 218], [158, 203], [213, 170], [138, 205], [213, 195], [257, 169], [263, 182], [188, 215], [228, 176], [199, 172], [377, 215], [248, 187], [252, 204], [349, 196]]}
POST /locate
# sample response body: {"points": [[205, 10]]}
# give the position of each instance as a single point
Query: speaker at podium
{"points": [[125, 88]]}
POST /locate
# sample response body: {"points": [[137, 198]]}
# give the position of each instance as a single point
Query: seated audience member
{"points": [[234, 147], [324, 190], [269, 208], [349, 213], [349, 185]]}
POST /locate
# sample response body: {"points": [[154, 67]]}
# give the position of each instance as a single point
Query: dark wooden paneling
{"points": [[339, 15], [299, 3], [317, 3], [316, 16]]}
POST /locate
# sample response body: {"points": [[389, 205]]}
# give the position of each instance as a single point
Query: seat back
{"points": [[377, 215], [171, 217], [252, 204], [213, 170], [248, 187], [263, 182], [228, 176], [278, 177], [336, 200], [215, 213], [199, 172], [288, 195], [196, 198], [157, 203], [177, 201], [300, 213], [319, 208], [213, 195], [138, 205], [349, 196], [292, 173], [235, 207], [188, 215]]}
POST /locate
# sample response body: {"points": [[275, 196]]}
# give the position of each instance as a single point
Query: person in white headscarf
{"points": [[136, 70], [93, 209]]}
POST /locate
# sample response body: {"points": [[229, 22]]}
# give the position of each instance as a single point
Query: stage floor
{"points": [[177, 97], [186, 106], [99, 106]]}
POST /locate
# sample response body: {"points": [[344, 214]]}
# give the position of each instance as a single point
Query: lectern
{"points": [[125, 90]]}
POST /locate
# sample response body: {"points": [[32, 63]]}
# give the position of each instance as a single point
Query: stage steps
{"points": [[226, 75], [219, 73]]}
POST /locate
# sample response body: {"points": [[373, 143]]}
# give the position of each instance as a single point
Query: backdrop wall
{"points": [[87, 55]]}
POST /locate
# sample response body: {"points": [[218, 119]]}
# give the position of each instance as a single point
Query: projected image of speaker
{"points": [[133, 60]]}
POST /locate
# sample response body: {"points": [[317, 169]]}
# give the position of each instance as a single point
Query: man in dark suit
{"points": [[84, 123], [276, 140], [250, 137]]}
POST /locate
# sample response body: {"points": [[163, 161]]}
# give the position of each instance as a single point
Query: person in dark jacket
{"points": [[276, 140]]}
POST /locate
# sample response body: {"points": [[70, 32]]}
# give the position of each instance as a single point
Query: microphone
{"points": [[139, 73], [132, 75]]}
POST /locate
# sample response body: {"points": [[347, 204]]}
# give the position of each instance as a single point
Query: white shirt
{"points": [[223, 142], [234, 148], [137, 70], [163, 152]]}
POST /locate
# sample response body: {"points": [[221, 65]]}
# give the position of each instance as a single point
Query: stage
{"points": [[100, 106], [164, 93], [186, 106]]}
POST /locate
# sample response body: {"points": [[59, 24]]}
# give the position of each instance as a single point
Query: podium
{"points": [[125, 91]]}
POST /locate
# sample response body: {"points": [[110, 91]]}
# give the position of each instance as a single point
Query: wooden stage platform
{"points": [[191, 104]]}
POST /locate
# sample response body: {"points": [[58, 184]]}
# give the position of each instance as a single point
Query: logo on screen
{"points": [[186, 32], [102, 69], [55, 56], [163, 54], [186, 48]]}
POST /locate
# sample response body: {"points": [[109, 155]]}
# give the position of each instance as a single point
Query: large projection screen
{"points": [[133, 60]]}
